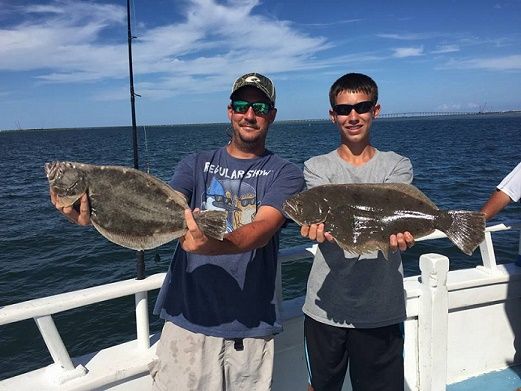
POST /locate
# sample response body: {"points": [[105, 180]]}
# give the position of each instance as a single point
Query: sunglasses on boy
{"points": [[360, 108], [259, 108]]}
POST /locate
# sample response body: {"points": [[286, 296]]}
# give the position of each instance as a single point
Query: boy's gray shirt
{"points": [[347, 290]]}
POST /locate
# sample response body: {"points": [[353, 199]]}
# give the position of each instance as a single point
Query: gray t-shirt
{"points": [[347, 290]]}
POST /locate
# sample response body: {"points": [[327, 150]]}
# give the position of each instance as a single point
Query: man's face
{"points": [[354, 127], [250, 129]]}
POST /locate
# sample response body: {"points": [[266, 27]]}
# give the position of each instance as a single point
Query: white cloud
{"points": [[332, 23], [411, 36], [62, 36], [408, 52], [505, 63], [70, 41], [402, 37], [458, 107], [441, 49]]}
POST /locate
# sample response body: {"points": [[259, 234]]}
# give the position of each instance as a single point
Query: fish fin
{"points": [[384, 248], [212, 223], [466, 229], [411, 191], [366, 248], [136, 242]]}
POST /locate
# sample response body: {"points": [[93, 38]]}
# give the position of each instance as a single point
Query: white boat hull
{"points": [[460, 324]]}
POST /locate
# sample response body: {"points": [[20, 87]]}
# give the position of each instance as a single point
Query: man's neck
{"points": [[244, 152]]}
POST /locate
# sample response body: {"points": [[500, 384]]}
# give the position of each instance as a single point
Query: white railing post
{"points": [[433, 322], [51, 336], [488, 255], [142, 325]]}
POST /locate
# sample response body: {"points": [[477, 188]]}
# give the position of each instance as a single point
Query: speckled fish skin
{"points": [[129, 207], [361, 217]]}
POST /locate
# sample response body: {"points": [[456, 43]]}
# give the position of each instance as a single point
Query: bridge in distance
{"points": [[422, 114]]}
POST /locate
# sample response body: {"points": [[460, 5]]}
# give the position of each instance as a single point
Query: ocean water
{"points": [[457, 162]]}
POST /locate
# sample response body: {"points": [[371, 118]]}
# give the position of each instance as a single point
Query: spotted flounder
{"points": [[361, 217], [129, 207]]}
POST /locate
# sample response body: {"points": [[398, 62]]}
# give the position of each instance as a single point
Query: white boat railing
{"points": [[42, 309]]}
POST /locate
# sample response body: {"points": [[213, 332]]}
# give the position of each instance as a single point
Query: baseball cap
{"points": [[258, 81]]}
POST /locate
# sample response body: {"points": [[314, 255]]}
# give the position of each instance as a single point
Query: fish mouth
{"points": [[48, 168], [51, 169]]}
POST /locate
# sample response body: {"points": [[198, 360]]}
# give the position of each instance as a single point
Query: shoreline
{"points": [[384, 116]]}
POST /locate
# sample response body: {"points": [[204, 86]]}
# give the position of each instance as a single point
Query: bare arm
{"points": [[497, 201], [81, 216], [267, 222]]}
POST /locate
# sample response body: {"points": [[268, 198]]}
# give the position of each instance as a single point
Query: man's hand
{"points": [[81, 217], [247, 237], [194, 240], [401, 241], [316, 232]]}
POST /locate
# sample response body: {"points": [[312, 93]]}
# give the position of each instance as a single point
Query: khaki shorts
{"points": [[191, 361]]}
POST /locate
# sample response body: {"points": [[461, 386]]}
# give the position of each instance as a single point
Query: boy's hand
{"points": [[401, 241], [316, 232]]}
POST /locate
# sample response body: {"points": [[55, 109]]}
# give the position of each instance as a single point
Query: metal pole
{"points": [[140, 263], [132, 93]]}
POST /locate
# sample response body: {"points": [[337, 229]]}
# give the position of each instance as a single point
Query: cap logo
{"points": [[252, 79]]}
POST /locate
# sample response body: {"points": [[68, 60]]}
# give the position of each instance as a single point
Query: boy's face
{"points": [[353, 127]]}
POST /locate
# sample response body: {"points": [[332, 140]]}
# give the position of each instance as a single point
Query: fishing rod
{"points": [[140, 262]]}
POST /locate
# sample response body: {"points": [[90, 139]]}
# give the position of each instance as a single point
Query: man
{"points": [[355, 303], [507, 191], [221, 309], [219, 298]]}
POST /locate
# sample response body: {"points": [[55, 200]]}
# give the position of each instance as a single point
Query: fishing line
{"points": [[133, 16], [147, 155], [135, 28]]}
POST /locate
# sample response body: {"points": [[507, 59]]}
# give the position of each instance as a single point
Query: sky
{"points": [[64, 63]]}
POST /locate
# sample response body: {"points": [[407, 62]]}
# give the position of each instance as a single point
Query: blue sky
{"points": [[64, 63]]}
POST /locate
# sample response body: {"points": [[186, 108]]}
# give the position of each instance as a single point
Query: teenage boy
{"points": [[355, 303]]}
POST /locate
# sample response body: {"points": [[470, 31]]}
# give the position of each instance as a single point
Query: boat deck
{"points": [[506, 379]]}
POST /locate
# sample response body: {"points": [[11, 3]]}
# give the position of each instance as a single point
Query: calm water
{"points": [[457, 162]]}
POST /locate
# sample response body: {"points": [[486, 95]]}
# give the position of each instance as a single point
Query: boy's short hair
{"points": [[353, 82]]}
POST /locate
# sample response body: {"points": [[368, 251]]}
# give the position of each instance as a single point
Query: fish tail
{"points": [[212, 223], [464, 228]]}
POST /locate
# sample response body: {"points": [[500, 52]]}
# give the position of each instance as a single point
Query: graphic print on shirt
{"points": [[235, 197]]}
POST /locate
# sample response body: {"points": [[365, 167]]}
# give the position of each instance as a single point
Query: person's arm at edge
{"points": [[497, 201]]}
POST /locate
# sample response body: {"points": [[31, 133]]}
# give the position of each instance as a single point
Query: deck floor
{"points": [[508, 379]]}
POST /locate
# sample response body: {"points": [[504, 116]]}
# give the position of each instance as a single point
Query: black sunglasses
{"points": [[360, 108], [259, 108]]}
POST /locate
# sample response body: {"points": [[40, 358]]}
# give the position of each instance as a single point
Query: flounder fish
{"points": [[129, 207], [361, 217]]}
